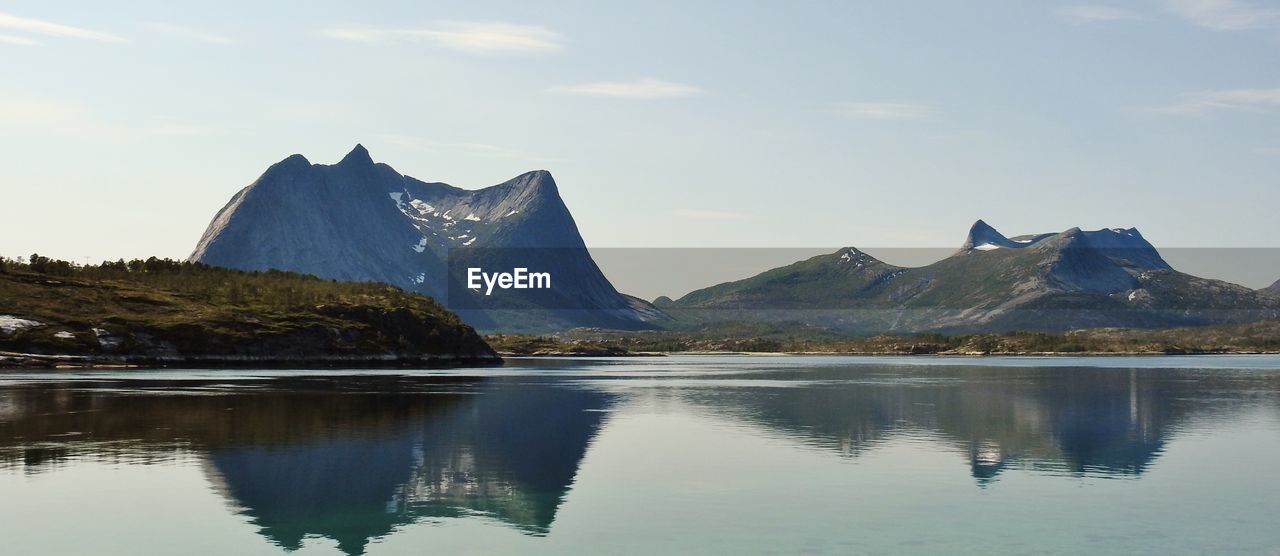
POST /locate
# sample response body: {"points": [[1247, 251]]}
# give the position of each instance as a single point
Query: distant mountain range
{"points": [[363, 221], [1051, 281], [358, 220]]}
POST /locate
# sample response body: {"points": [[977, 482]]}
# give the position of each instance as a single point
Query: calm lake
{"points": [[698, 454]]}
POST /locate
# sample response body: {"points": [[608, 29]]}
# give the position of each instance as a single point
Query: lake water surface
{"points": [[699, 454]]}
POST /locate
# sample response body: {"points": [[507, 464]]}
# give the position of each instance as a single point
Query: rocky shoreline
{"points": [[46, 361], [388, 361]]}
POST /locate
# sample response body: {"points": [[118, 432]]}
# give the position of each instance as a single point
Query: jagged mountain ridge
{"points": [[1072, 279], [364, 221]]}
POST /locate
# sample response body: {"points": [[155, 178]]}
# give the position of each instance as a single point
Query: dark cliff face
{"points": [[1053, 281], [362, 221]]}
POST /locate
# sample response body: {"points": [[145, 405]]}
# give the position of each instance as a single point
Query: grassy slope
{"points": [[828, 281], [163, 309], [807, 284]]}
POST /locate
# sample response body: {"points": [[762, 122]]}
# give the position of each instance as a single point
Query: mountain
{"points": [[1273, 289], [1076, 419], [1054, 281], [358, 220]]}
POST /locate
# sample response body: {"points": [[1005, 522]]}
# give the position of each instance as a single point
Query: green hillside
{"points": [[1045, 282], [163, 311]]}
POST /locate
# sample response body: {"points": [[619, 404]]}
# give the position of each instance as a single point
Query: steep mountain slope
{"points": [[1273, 289], [1073, 279], [361, 220]]}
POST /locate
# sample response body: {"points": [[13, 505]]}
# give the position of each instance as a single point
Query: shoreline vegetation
{"points": [[160, 312], [1261, 337]]}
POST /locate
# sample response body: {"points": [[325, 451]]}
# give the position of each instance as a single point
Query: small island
{"points": [[161, 312]]}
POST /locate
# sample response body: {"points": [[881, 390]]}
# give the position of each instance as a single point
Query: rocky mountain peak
{"points": [[983, 237], [359, 156], [295, 160], [853, 254], [1273, 289], [537, 182]]}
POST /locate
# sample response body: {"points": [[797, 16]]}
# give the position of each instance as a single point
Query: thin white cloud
{"points": [[49, 28], [884, 111], [1225, 15], [644, 89], [701, 214], [1205, 102], [190, 33], [474, 37], [20, 41], [1089, 13]]}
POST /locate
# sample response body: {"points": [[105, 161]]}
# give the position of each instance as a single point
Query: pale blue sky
{"points": [[126, 125]]}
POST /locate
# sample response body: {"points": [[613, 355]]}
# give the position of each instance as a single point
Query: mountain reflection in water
{"points": [[1069, 420], [348, 458], [353, 458]]}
